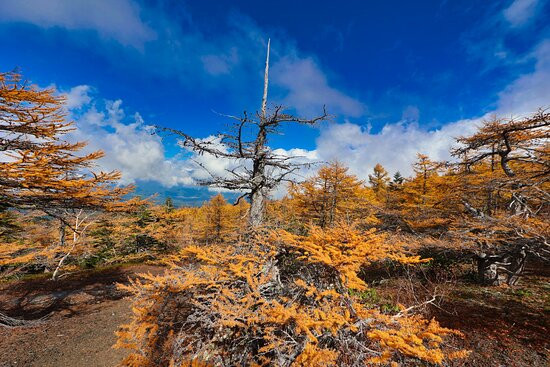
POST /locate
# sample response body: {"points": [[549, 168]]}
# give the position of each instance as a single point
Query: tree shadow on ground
{"points": [[36, 298]]}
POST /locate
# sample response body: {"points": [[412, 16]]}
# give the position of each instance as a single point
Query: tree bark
{"points": [[500, 269], [258, 196], [257, 204], [62, 232]]}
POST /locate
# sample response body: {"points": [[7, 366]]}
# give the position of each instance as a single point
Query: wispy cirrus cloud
{"points": [[520, 12], [112, 19], [234, 61], [308, 90], [530, 90], [172, 46], [489, 41]]}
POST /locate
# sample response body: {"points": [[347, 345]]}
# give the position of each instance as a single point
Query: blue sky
{"points": [[398, 76]]}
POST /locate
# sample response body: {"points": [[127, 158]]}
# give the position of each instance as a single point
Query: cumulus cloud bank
{"points": [[128, 143], [131, 148], [396, 145]]}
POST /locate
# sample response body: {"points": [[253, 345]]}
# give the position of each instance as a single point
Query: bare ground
{"points": [[83, 312], [508, 327], [502, 326]]}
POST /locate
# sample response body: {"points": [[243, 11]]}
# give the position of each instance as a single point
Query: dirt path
{"points": [[84, 312], [502, 326]]}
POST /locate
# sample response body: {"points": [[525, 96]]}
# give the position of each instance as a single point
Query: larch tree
{"points": [[40, 168], [216, 219], [506, 193], [379, 179], [520, 148], [260, 168], [331, 195], [420, 190]]}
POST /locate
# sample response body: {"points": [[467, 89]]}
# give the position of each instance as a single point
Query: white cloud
{"points": [[129, 147], [520, 12], [77, 97], [530, 91], [308, 89], [114, 19], [206, 166], [396, 145]]}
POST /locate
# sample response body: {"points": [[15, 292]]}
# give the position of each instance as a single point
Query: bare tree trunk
{"points": [[258, 196], [266, 81], [257, 207], [78, 232], [62, 231], [60, 264], [269, 169], [503, 268]]}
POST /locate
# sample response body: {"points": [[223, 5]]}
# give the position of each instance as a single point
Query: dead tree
{"points": [[260, 169], [520, 225]]}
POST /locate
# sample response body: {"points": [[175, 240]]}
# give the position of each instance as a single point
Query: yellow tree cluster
{"points": [[137, 230], [166, 227], [219, 221], [494, 201], [331, 195], [41, 169], [275, 300]]}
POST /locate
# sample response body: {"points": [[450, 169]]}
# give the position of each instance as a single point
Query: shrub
{"points": [[276, 299]]}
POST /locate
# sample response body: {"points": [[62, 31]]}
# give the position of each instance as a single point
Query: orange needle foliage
{"points": [[332, 194], [40, 169], [278, 300]]}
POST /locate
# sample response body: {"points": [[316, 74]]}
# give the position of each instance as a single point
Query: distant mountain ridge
{"points": [[180, 195]]}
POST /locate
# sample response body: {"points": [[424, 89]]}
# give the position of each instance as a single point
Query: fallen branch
{"points": [[406, 311], [11, 322]]}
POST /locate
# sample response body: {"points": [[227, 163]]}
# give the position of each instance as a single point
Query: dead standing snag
{"points": [[262, 169]]}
